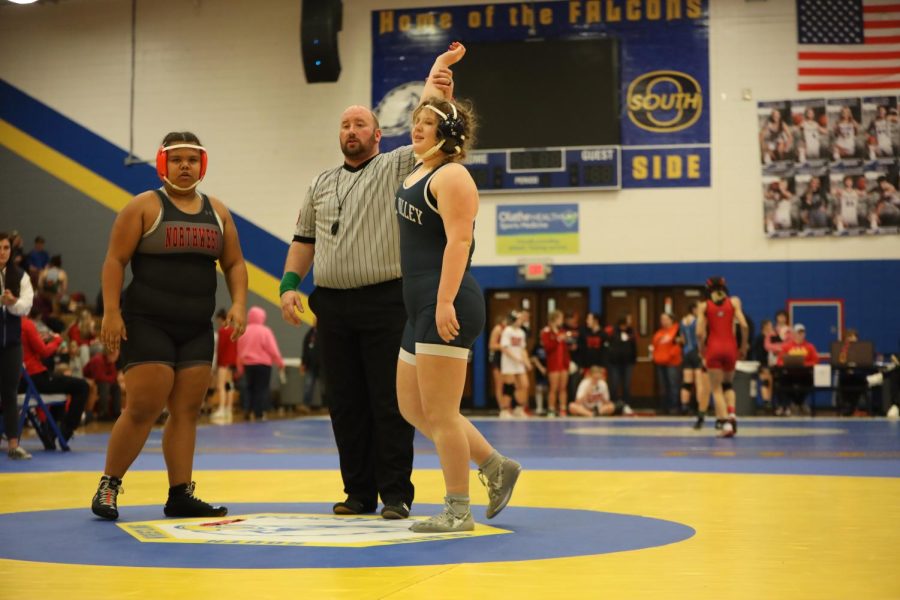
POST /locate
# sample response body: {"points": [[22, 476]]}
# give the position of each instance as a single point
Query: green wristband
{"points": [[289, 283]]}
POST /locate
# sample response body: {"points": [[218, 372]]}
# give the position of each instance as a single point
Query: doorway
{"points": [[645, 305], [540, 303]]}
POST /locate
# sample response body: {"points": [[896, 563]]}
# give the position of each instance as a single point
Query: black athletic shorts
{"points": [[691, 360], [178, 345], [420, 335]]}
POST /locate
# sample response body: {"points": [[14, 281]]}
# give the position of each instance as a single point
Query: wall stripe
{"points": [[114, 197], [63, 168]]}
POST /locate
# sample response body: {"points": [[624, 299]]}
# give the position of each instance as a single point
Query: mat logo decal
{"points": [[286, 529]]}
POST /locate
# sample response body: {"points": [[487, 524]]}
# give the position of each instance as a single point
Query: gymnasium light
{"points": [[23, 1]]}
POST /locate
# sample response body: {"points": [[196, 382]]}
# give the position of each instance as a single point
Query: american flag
{"points": [[848, 45]]}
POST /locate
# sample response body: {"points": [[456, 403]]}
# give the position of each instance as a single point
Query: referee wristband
{"points": [[289, 283]]}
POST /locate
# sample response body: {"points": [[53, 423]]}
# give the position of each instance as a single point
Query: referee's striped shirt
{"points": [[365, 249]]}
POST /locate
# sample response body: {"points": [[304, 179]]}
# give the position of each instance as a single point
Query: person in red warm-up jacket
{"points": [[35, 350]]}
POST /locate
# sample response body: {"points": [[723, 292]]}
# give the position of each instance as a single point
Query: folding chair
{"points": [[32, 400]]}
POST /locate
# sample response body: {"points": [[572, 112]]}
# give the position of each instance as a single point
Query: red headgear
{"points": [[162, 162]]}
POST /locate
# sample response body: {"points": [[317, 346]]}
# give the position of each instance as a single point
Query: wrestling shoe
{"points": [[447, 521], [727, 430], [183, 503], [105, 503], [500, 485], [19, 453]]}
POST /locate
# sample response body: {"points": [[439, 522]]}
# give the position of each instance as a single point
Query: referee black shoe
{"points": [[105, 503], [395, 509], [352, 506], [183, 503]]}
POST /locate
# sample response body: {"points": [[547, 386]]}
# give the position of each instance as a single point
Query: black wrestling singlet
{"points": [[174, 265], [422, 235]]}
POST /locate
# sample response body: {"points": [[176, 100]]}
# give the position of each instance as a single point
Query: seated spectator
{"points": [[102, 374], [17, 250], [592, 397], [851, 382], [53, 282], [795, 382], [37, 259], [82, 334], [35, 349]]}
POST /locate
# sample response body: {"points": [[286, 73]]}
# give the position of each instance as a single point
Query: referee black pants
{"points": [[359, 334]]}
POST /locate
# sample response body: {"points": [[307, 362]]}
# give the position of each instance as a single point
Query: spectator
{"points": [[17, 250], [494, 354], [514, 364], [15, 301], [541, 383], [572, 326], [81, 335], [35, 350], [795, 383], [852, 382], [691, 366], [37, 259], [310, 368], [226, 364], [555, 340], [53, 282], [592, 397], [593, 343], [760, 352], [667, 357], [103, 376], [622, 357], [257, 350]]}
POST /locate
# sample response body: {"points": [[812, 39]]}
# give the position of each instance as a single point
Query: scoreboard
{"points": [[547, 169]]}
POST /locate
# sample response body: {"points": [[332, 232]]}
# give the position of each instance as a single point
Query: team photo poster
{"points": [[830, 167]]}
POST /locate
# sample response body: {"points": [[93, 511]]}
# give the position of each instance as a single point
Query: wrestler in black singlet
{"points": [[168, 306], [422, 244]]}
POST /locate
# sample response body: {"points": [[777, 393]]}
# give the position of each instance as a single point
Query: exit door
{"points": [[645, 305], [539, 303]]}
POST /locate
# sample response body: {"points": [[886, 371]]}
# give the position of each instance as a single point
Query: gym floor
{"points": [[631, 508]]}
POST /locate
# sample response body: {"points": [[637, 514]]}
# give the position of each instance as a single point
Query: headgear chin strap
{"points": [[162, 164], [450, 133]]}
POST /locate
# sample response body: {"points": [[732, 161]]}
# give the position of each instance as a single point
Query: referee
{"points": [[348, 227]]}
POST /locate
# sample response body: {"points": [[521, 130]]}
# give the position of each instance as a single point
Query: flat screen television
{"points": [[542, 93]]}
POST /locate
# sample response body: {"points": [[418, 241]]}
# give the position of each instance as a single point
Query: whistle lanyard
{"points": [[337, 222]]}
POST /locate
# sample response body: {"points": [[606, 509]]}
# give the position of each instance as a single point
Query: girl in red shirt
{"points": [[556, 343]]}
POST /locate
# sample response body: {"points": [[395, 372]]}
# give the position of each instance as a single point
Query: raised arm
{"points": [[440, 79]]}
